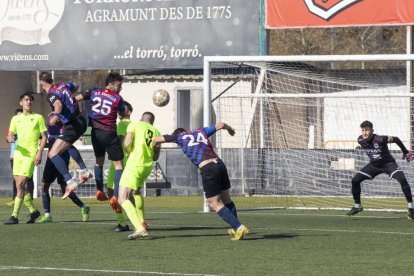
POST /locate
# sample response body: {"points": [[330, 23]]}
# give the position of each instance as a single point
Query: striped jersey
{"points": [[70, 108], [197, 145], [53, 131], [105, 105]]}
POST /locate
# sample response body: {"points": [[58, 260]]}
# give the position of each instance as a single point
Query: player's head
{"points": [[114, 82], [367, 130], [128, 111], [26, 101], [177, 132], [18, 111], [45, 81], [148, 117], [128, 108]]}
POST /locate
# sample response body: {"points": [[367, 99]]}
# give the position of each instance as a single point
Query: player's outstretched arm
{"points": [[407, 155], [158, 140], [221, 125]]}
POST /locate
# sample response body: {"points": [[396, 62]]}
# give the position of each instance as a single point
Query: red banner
{"points": [[334, 13]]}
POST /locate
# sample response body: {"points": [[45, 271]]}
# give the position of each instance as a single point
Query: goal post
{"points": [[297, 121]]}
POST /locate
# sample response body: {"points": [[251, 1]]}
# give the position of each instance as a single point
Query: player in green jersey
{"points": [[141, 151], [28, 126], [121, 131]]}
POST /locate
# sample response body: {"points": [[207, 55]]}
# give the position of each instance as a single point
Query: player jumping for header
{"points": [[216, 184], [381, 161], [67, 109]]}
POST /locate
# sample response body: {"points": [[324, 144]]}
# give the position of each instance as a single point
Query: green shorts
{"points": [[134, 177], [110, 176], [23, 163]]}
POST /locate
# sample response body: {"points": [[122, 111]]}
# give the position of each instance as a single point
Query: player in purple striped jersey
{"points": [[105, 106], [66, 108], [216, 184], [50, 174]]}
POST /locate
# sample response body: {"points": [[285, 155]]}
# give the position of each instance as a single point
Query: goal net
{"points": [[297, 123]]}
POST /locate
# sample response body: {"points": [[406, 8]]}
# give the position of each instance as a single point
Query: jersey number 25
{"points": [[100, 106]]}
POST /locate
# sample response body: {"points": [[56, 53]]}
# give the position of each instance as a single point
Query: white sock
{"points": [[357, 205], [410, 205]]}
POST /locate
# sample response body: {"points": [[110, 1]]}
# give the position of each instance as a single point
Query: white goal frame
{"points": [[209, 60]]}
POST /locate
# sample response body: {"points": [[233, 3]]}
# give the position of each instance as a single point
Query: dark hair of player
{"points": [[149, 116], [177, 132], [128, 105], [46, 77], [18, 110], [367, 124], [28, 94], [113, 77]]}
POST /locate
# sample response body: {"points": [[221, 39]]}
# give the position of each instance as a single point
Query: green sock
{"points": [[121, 218], [28, 201], [132, 214], [17, 205], [139, 204]]}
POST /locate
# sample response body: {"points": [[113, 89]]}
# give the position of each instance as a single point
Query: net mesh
{"points": [[297, 126]]}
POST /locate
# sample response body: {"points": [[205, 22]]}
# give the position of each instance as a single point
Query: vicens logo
{"points": [[29, 22], [327, 9]]}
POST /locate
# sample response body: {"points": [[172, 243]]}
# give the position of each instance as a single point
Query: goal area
{"points": [[297, 120]]}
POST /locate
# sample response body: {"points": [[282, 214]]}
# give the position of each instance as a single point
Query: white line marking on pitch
{"points": [[4, 267]]}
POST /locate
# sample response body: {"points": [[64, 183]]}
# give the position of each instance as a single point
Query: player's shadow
{"points": [[254, 236], [187, 228]]}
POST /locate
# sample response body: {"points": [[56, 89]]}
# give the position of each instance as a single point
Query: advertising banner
{"points": [[334, 13], [124, 34]]}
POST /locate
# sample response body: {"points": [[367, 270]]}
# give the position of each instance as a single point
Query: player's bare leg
{"points": [[124, 199]]}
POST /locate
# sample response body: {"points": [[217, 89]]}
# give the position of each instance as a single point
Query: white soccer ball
{"points": [[161, 97]]}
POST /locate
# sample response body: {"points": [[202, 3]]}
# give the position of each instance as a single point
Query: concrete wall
{"points": [[13, 84]]}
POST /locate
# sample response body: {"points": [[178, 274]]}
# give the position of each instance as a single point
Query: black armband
{"points": [[169, 138], [400, 144], [86, 95]]}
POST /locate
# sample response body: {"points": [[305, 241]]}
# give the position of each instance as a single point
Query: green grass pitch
{"points": [[185, 241]]}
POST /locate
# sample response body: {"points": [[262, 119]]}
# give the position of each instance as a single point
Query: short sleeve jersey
{"points": [[28, 128], [70, 107], [105, 105], [143, 151], [197, 145], [377, 149]]}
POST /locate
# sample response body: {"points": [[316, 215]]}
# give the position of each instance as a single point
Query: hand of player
{"points": [[409, 156], [231, 131], [10, 137], [38, 158]]}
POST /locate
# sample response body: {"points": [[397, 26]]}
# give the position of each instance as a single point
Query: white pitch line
{"points": [[12, 267]]}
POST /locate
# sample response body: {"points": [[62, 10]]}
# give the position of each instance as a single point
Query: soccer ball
{"points": [[161, 97]]}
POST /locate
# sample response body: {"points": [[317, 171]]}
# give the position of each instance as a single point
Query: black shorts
{"points": [[73, 130], [106, 141], [372, 170], [215, 178], [50, 173]]}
